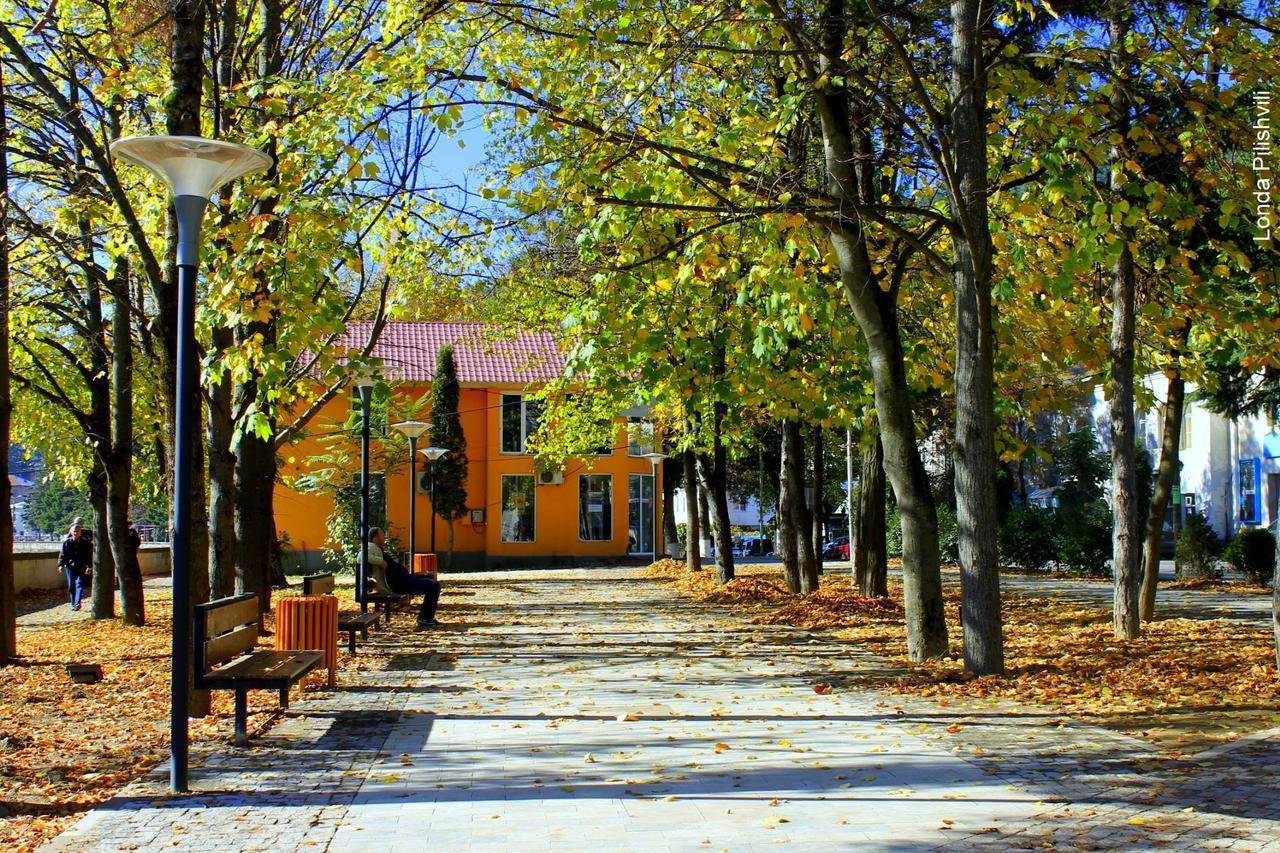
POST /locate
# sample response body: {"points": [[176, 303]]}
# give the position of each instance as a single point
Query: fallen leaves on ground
{"points": [[66, 747], [1185, 683]]}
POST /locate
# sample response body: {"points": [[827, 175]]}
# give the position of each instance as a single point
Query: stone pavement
{"points": [[592, 710]]}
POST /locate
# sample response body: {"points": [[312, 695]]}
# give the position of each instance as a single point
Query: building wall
{"points": [[1212, 447], [302, 516]]}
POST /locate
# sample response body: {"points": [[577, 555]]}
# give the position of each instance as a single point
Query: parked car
{"points": [[837, 549]]}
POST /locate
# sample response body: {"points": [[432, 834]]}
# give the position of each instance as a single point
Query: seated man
{"points": [[386, 575]]}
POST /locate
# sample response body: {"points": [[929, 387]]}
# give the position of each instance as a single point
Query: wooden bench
{"points": [[388, 602], [227, 659], [351, 622]]}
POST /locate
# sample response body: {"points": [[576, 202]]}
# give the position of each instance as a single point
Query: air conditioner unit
{"points": [[550, 478]]}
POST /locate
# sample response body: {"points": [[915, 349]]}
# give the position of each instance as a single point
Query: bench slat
{"points": [[269, 669], [230, 645], [317, 584], [224, 617], [346, 621]]}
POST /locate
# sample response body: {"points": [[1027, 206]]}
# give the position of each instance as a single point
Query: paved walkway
{"points": [[591, 710]]}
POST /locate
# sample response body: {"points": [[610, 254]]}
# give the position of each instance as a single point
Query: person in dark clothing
{"points": [[76, 560], [402, 581]]}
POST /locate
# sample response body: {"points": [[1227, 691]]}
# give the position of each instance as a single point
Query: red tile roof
{"points": [[484, 354]]}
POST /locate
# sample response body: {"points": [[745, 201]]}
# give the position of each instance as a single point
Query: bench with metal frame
{"points": [[226, 634], [351, 622]]}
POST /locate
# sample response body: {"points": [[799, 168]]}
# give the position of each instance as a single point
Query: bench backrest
{"points": [[225, 630], [317, 584]]}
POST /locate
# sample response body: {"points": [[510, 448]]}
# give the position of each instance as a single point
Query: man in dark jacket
{"points": [[76, 560]]}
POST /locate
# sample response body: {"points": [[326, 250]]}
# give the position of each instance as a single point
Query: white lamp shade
{"points": [[411, 429], [191, 165], [364, 375], [654, 457], [433, 453]]}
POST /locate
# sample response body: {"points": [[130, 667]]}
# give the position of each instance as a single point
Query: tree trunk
{"points": [[787, 546], [104, 569], [819, 505], [254, 488], [806, 577], [222, 474], [119, 463], [256, 457], [713, 471], [713, 479], [693, 530], [222, 489], [1126, 548], [850, 179], [975, 454], [707, 531], [871, 557], [8, 591], [670, 536], [1166, 478], [851, 523]]}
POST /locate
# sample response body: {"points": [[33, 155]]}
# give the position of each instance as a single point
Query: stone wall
{"points": [[38, 569]]}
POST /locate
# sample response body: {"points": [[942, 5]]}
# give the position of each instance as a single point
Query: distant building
{"points": [[591, 510], [1230, 466]]}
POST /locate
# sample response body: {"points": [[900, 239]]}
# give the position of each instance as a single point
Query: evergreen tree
{"points": [[450, 470]]}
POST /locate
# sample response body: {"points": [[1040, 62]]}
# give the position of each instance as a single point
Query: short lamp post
{"points": [[194, 168], [412, 430], [654, 458], [364, 380], [432, 454]]}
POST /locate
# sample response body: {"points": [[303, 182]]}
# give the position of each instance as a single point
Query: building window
{"points": [[517, 508], [1185, 440], [595, 507], [520, 419], [1250, 499], [639, 437]]}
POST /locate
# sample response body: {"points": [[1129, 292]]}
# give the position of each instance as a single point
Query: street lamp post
{"points": [[364, 381], [654, 457], [412, 430], [432, 454], [194, 168]]}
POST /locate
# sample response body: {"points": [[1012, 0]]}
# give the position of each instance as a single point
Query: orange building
{"points": [[595, 510]]}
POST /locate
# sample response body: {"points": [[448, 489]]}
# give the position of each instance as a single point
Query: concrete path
{"points": [[590, 710]]}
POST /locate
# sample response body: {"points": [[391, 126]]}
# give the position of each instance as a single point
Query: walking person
{"points": [[76, 560], [388, 575]]}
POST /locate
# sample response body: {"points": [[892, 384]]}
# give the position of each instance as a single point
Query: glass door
{"points": [[640, 514]]}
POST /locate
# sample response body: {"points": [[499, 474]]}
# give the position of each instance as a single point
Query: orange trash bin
{"points": [[309, 623], [425, 564]]}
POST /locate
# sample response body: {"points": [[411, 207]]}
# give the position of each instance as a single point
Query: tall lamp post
{"points": [[432, 454], [194, 168], [654, 457], [412, 430], [364, 381]]}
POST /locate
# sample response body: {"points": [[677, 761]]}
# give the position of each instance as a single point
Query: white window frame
{"points": [[581, 480], [524, 423], [502, 533]]}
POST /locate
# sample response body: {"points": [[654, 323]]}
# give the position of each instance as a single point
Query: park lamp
{"points": [[433, 454], [412, 430], [654, 458], [193, 168]]}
